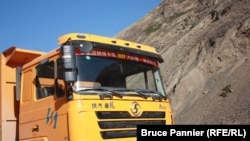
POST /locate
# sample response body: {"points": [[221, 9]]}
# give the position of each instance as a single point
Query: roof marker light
{"points": [[114, 42], [80, 36]]}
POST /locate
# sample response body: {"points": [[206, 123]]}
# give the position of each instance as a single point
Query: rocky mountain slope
{"points": [[205, 45]]}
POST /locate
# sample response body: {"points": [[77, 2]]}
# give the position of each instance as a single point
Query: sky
{"points": [[37, 24]]}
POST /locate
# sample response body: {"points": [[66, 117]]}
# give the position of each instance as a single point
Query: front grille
{"points": [[119, 127], [128, 124], [125, 114], [118, 134]]}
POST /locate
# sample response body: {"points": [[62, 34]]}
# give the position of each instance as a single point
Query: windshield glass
{"points": [[115, 73]]}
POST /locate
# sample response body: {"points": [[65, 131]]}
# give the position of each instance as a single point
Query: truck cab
{"points": [[90, 88]]}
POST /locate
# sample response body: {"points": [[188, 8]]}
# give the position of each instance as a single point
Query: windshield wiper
{"points": [[105, 93], [109, 93], [154, 94], [132, 90]]}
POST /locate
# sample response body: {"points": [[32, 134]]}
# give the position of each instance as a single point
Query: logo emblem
{"points": [[135, 108]]}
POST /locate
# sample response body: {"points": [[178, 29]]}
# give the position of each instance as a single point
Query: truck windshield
{"points": [[113, 73]]}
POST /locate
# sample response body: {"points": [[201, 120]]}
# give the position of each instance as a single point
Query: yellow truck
{"points": [[90, 88]]}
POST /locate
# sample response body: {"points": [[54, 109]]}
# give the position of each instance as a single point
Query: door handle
{"points": [[35, 128]]}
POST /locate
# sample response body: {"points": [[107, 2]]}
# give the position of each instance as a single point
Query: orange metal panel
{"points": [[16, 56], [9, 108]]}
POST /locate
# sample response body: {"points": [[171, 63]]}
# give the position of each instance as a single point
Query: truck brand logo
{"points": [[135, 108]]}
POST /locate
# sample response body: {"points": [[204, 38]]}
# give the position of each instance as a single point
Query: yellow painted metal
{"points": [[106, 40]]}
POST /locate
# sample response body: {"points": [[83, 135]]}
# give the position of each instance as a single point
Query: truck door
{"points": [[49, 104]]}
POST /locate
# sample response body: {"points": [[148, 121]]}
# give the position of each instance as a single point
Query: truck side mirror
{"points": [[69, 63]]}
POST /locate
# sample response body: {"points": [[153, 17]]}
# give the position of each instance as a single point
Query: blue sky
{"points": [[36, 24]]}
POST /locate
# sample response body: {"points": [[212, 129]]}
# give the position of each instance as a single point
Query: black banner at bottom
{"points": [[194, 132]]}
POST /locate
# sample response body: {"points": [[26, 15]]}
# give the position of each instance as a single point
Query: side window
{"points": [[45, 80]]}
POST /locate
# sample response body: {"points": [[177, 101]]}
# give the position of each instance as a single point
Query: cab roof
{"points": [[127, 45]]}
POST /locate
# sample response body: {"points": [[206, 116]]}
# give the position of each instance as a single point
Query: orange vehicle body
{"points": [[38, 105], [9, 114]]}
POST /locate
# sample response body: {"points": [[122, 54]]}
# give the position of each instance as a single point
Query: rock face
{"points": [[205, 45]]}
